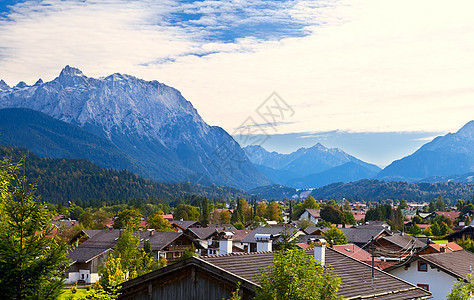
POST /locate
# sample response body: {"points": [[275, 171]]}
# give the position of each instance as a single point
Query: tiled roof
{"points": [[450, 246], [404, 241], [458, 263], [312, 229], [184, 224], [315, 212], [362, 234], [355, 252], [356, 281], [86, 254], [202, 233], [108, 239]]}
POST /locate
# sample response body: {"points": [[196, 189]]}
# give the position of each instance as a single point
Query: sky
{"points": [[376, 78]]}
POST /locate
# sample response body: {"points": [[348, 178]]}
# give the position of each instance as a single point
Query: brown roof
{"points": [[457, 263], [448, 246], [355, 252], [356, 281], [315, 212]]}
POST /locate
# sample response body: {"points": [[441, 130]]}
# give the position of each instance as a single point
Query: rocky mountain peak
{"points": [[4, 86], [70, 71]]}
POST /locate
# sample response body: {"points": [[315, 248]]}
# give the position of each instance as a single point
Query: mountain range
{"points": [[147, 127], [310, 167], [445, 156]]}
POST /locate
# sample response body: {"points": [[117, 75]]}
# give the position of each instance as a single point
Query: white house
{"points": [[312, 214], [435, 272]]}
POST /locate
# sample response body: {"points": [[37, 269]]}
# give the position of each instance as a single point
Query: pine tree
{"points": [[31, 262]]}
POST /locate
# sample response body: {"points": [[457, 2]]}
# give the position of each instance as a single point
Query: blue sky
{"points": [[376, 78]]}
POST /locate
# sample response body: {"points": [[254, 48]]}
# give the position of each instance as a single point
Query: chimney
{"points": [[264, 242], [225, 244], [320, 254]]}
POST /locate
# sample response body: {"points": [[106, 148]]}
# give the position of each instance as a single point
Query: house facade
{"points": [[437, 272], [312, 214]]}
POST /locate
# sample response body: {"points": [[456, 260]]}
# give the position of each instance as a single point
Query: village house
{"points": [[464, 233], [182, 225], [312, 214], [435, 272], [216, 277], [92, 253]]}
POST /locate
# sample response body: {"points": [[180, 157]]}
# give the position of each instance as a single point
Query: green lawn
{"points": [[440, 241], [67, 294]]}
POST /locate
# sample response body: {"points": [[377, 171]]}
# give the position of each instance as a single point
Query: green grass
{"points": [[440, 241], [67, 294]]}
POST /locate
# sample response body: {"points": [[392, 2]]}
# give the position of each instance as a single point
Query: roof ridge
{"points": [[236, 254]]}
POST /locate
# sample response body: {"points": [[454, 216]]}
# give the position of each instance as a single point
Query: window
{"points": [[422, 266], [424, 286]]}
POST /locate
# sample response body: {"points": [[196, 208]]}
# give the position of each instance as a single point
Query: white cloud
{"points": [[375, 65]]}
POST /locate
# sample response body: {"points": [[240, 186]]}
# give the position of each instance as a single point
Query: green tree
{"points": [[128, 219], [310, 202], [189, 252], [75, 212], [427, 232], [100, 219], [186, 212], [204, 211], [274, 212], [293, 275], [305, 223], [403, 204], [335, 235], [462, 289], [31, 262], [466, 243], [348, 218], [86, 219], [225, 217], [239, 226], [414, 230], [111, 275], [158, 223], [331, 214], [287, 239], [440, 205], [435, 229]]}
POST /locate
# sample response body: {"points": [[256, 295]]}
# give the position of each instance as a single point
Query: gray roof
{"points": [[202, 233], [456, 263], [362, 234], [356, 281], [86, 254], [108, 239], [311, 229], [184, 224], [273, 230], [405, 241]]}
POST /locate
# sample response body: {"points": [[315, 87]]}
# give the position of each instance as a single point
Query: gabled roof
{"points": [[363, 234], [184, 224], [448, 246], [314, 212], [202, 233], [86, 254], [356, 281], [404, 241], [312, 229], [355, 252], [457, 264], [108, 239]]}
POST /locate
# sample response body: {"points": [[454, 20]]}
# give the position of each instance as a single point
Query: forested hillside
{"points": [[62, 180], [375, 190]]}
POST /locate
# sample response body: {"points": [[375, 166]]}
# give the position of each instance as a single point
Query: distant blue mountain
{"points": [[445, 156], [310, 167], [149, 123]]}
